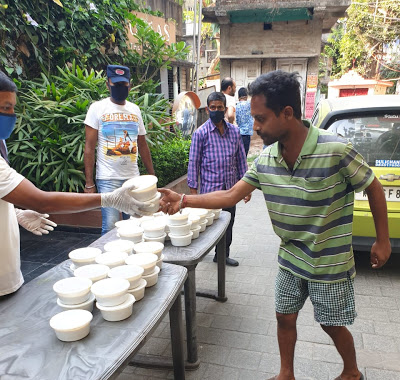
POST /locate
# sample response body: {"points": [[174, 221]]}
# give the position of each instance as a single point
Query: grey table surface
{"points": [[189, 255], [29, 348]]}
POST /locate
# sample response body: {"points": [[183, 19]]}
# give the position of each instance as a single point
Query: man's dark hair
{"points": [[216, 96], [280, 89], [242, 92], [6, 84], [226, 83]]}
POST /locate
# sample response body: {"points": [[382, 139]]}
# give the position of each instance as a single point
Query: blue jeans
{"points": [[246, 142], [109, 215]]}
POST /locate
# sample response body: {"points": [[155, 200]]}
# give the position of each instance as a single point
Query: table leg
{"points": [[221, 263], [176, 326]]}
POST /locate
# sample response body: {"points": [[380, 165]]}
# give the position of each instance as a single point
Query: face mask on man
{"points": [[7, 122], [119, 93], [216, 116]]}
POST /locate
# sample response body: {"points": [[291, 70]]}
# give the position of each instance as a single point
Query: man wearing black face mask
{"points": [[217, 155], [109, 123]]}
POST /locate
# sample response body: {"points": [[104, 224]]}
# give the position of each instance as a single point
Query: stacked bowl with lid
{"points": [[179, 228], [154, 230], [94, 272], [71, 325], [202, 214], [83, 256], [74, 293], [148, 261], [210, 217], [151, 247], [112, 258], [132, 273], [195, 225], [120, 245], [113, 299], [216, 212], [132, 233], [145, 191]]}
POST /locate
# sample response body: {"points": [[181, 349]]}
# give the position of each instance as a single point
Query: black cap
{"points": [[118, 73]]}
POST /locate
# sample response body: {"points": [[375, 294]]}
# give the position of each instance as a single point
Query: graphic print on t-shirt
{"points": [[120, 131]]}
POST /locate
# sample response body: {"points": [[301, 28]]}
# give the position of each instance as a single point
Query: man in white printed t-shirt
{"points": [[228, 87], [17, 190], [115, 125]]}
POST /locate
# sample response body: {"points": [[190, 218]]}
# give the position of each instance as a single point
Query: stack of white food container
{"points": [[83, 256], [132, 222], [202, 213], [74, 293], [148, 261], [151, 247], [210, 218], [132, 233], [71, 325], [112, 258], [195, 225], [113, 299], [94, 272], [216, 212], [120, 245], [179, 228], [145, 191], [154, 230], [132, 273]]}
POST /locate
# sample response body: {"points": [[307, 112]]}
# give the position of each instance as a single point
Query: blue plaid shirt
{"points": [[244, 119], [220, 161]]}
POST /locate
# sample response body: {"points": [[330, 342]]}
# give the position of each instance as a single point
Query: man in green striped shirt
{"points": [[308, 178]]}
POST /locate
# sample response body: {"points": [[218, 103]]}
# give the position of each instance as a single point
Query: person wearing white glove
{"points": [[35, 222]]}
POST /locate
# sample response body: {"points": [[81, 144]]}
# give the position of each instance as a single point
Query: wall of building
{"points": [[170, 9]]}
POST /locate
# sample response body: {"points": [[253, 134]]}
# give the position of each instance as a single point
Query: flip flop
{"points": [[339, 378]]}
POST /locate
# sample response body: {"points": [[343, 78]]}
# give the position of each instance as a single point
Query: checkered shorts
{"points": [[333, 302]]}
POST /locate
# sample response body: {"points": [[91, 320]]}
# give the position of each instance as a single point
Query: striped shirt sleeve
{"points": [[251, 176], [355, 169], [195, 155]]}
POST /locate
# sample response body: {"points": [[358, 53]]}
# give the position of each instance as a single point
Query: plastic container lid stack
{"points": [[84, 256], [146, 187], [71, 325], [119, 245]]}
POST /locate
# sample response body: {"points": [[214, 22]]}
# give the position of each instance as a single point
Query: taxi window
{"points": [[377, 138]]}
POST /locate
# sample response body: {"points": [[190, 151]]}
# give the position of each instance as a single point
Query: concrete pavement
{"points": [[237, 339]]}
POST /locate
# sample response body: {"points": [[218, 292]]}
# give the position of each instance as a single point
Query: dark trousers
{"points": [[246, 142], [232, 211]]}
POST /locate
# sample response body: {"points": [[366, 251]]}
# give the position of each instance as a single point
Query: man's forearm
{"points": [[88, 160], [145, 154]]}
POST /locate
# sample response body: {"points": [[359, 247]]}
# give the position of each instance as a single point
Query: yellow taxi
{"points": [[372, 124]]}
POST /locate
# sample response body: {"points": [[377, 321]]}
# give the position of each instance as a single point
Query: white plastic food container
{"points": [[216, 212], [145, 260], [132, 233], [160, 239], [203, 225], [178, 219], [87, 305], [210, 219], [112, 259], [195, 220], [132, 222], [73, 290], [160, 261], [119, 312], [181, 241], [149, 247], [201, 212], [119, 245], [146, 187], [94, 272], [138, 292], [196, 232], [84, 256], [153, 228], [132, 273], [111, 291], [152, 278], [180, 230], [153, 204], [71, 325]]}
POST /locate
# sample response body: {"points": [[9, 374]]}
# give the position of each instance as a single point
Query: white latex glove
{"points": [[123, 200], [34, 222]]}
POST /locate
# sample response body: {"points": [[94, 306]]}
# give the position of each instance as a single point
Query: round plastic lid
{"points": [[142, 284], [130, 230], [84, 254], [110, 287], [149, 247], [141, 182], [199, 211], [72, 285], [126, 271], [91, 270], [194, 217], [141, 259], [90, 299], [71, 320], [151, 225], [155, 271], [111, 257], [132, 222], [118, 245], [179, 215], [129, 301]]}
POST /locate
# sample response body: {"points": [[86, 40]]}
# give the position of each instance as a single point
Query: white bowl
{"points": [[149, 247], [84, 256], [132, 222], [153, 229], [145, 260], [201, 212], [71, 325], [129, 232], [180, 230], [195, 220], [178, 218], [132, 273], [203, 225], [134, 240], [94, 272], [73, 290], [196, 232], [138, 292], [153, 204], [112, 259], [119, 312], [160, 239], [87, 305], [216, 212], [160, 261], [119, 245], [210, 219], [111, 291], [145, 218], [146, 187], [181, 241], [152, 278]]}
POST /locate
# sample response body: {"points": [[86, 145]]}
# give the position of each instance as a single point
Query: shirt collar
{"points": [[212, 126]]}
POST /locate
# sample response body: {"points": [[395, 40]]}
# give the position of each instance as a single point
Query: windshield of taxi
{"points": [[377, 138]]}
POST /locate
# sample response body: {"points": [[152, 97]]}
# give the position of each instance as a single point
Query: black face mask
{"points": [[119, 93], [216, 116]]}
